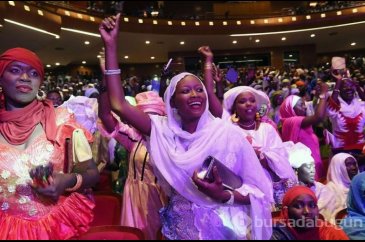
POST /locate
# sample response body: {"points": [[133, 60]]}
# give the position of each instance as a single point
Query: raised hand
{"points": [[217, 74], [206, 52], [109, 29]]}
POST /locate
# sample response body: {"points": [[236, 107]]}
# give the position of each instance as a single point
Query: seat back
{"points": [[107, 211], [113, 232]]}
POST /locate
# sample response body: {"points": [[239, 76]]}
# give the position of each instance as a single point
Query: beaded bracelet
{"points": [[77, 185], [112, 72], [231, 199]]}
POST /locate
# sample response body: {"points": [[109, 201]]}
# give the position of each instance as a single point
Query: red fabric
{"points": [[21, 55], [17, 126], [112, 233], [107, 210]]}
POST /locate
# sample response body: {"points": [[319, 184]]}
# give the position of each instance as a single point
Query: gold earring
{"points": [[235, 118]]}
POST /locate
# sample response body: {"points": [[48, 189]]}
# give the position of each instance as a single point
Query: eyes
{"points": [[188, 90], [301, 205], [18, 71], [244, 100]]}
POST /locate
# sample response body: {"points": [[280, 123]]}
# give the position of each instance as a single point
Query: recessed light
{"points": [[211, 23], [197, 23], [140, 21], [294, 18], [290, 55], [266, 21], [48, 66], [26, 8], [169, 22], [98, 56], [280, 20], [354, 10], [152, 57], [79, 16], [252, 21], [92, 19], [84, 62], [1, 25], [183, 23], [67, 13], [339, 13], [225, 23], [308, 17], [353, 44], [147, 42], [126, 57], [87, 42], [283, 39], [182, 43], [126, 19], [234, 42], [57, 64], [12, 3], [313, 35], [239, 22], [57, 37], [323, 15], [154, 22], [257, 40], [40, 12]]}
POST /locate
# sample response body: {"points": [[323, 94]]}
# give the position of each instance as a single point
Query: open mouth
{"points": [[195, 104]]}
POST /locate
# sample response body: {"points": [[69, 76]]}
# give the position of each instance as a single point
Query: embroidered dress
{"points": [[25, 214]]}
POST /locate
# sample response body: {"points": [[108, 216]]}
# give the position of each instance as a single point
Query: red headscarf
{"points": [[17, 126]]}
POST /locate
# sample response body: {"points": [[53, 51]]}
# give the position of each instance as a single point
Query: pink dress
{"points": [[26, 215]]}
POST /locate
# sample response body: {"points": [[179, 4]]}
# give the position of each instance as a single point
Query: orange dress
{"points": [[23, 213]]}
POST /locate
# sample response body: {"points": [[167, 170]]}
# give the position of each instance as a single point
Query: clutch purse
{"points": [[230, 180]]}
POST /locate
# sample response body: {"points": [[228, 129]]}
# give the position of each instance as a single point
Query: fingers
{"points": [[110, 23], [199, 182], [217, 178]]}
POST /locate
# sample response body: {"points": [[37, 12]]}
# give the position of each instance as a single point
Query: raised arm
{"points": [[336, 91], [320, 111], [215, 105], [109, 29]]}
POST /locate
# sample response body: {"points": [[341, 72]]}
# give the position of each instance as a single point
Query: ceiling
{"points": [[70, 48]]}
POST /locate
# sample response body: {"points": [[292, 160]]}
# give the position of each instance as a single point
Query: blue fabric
{"points": [[354, 224]]}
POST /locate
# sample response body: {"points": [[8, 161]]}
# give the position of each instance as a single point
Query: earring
{"points": [[41, 95], [258, 116], [235, 118]]}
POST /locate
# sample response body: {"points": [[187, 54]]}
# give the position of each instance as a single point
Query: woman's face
{"points": [[20, 84], [306, 173], [245, 106], [189, 98], [300, 109], [347, 91], [351, 167], [55, 98], [303, 211], [279, 99]]}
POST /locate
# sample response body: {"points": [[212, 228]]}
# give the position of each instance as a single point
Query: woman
{"points": [[142, 197], [241, 106], [299, 219], [297, 127], [343, 167], [277, 99], [354, 223], [178, 145], [32, 135]]}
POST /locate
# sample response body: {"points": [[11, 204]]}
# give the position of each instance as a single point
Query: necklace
{"points": [[247, 126]]}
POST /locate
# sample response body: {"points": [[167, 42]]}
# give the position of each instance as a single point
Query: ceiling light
{"points": [[169, 22], [147, 42], [154, 13], [84, 62], [225, 23], [313, 4], [12, 3], [152, 57], [183, 23], [294, 18], [323, 15], [81, 32], [197, 23], [283, 39], [126, 19], [30, 27], [154, 22], [339, 13], [1, 25], [140, 21], [234, 42], [67, 13], [126, 57], [57, 64], [26, 8], [48, 66], [57, 36], [182, 43], [308, 17], [266, 21], [87, 42], [98, 56], [353, 44], [92, 19], [211, 23], [79, 16], [354, 10], [238, 22], [313, 35], [252, 21], [280, 20], [40, 12], [257, 40], [290, 55]]}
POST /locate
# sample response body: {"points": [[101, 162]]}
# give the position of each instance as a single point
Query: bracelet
{"points": [[336, 90], [231, 199], [112, 72], [77, 185], [208, 66]]}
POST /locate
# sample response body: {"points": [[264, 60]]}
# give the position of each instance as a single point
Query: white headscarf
{"points": [[177, 154], [337, 172]]}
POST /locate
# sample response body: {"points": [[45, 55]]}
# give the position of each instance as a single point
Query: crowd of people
{"points": [[210, 159]]}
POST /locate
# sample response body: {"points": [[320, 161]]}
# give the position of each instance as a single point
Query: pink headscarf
{"points": [[291, 121], [151, 102]]}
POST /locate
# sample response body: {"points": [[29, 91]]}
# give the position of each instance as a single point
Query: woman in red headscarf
{"points": [[33, 189], [299, 219]]}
